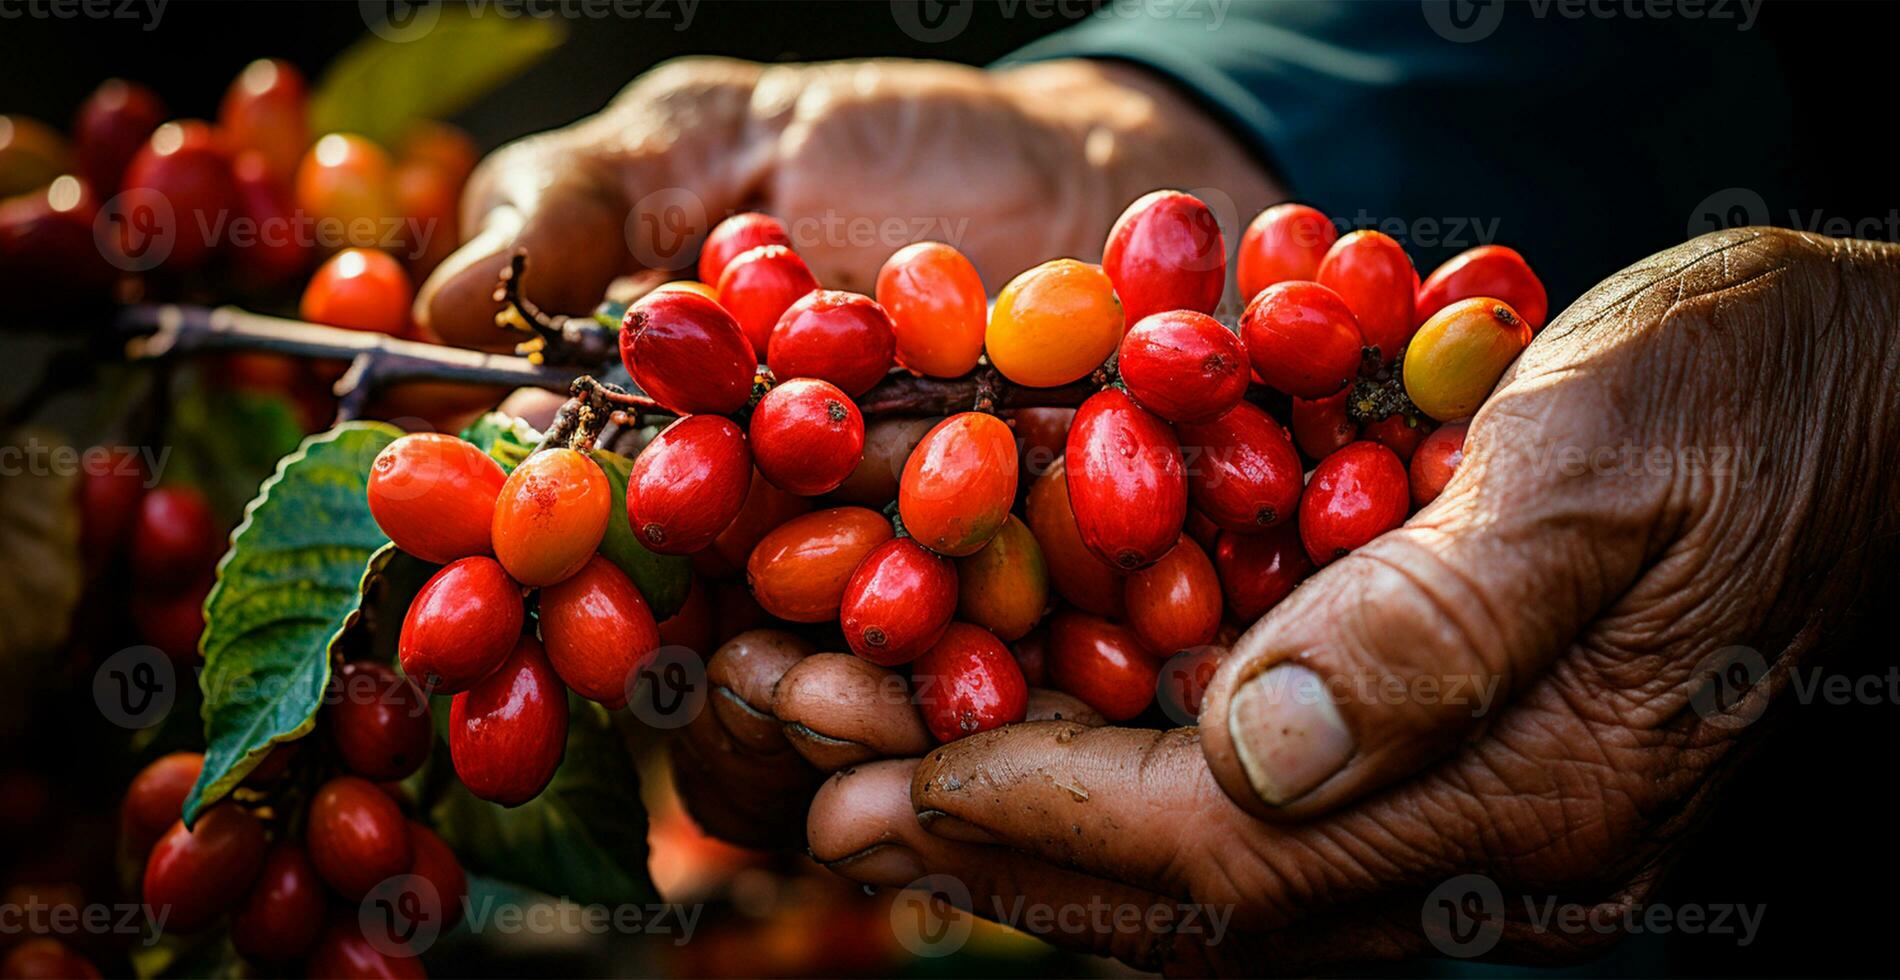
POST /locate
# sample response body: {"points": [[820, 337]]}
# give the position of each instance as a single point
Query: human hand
{"points": [[1694, 457], [858, 158]]}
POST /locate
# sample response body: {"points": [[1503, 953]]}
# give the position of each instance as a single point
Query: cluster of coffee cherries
{"points": [[289, 868]]}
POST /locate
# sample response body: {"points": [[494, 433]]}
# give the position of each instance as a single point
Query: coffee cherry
{"points": [[360, 289], [1436, 460], [1203, 531], [959, 484], [1258, 570], [1185, 678], [1183, 366], [759, 285], [379, 720], [434, 495], [281, 917], [968, 682], [441, 147], [938, 308], [888, 443], [342, 953], [1175, 603], [156, 799], [1032, 656], [800, 570], [829, 334], [175, 539], [1042, 435], [357, 836], [550, 516], [1054, 324], [183, 171], [507, 733], [1165, 253], [806, 436], [688, 484], [201, 871], [1398, 432], [598, 631], [460, 626], [49, 258], [1245, 475], [688, 353], [1284, 242], [1321, 426], [1372, 273], [1102, 663], [112, 124], [274, 255], [344, 183], [734, 236], [1127, 484], [1355, 495], [693, 626], [1004, 586], [897, 602], [437, 864], [43, 958], [1459, 355], [1488, 270], [173, 621], [1078, 575], [264, 110], [693, 286], [1302, 339], [766, 507]]}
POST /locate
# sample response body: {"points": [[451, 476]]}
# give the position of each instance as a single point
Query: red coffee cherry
{"points": [[968, 682], [343, 953], [156, 799], [766, 507], [1032, 655], [360, 289], [807, 436], [938, 308], [844, 338], [1302, 339], [182, 171], [1127, 484], [1356, 494], [688, 353], [434, 495], [959, 484], [1175, 603], [1244, 474], [598, 631], [1321, 426], [1102, 663], [460, 626], [1258, 570], [1284, 242], [508, 732], [1084, 580], [1488, 270], [379, 721], [356, 835], [736, 235], [898, 602], [111, 484], [688, 484], [43, 957], [1183, 366], [438, 865], [1372, 273], [174, 537], [1166, 253], [112, 124], [201, 871], [550, 516], [264, 110], [758, 285], [281, 917], [800, 570], [1436, 460], [1398, 433]]}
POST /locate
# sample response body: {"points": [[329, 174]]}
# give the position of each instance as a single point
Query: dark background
{"points": [[1805, 829]]}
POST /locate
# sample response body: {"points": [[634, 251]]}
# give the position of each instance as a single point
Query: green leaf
{"points": [[508, 439], [584, 838], [291, 583], [224, 441], [662, 579], [381, 84]]}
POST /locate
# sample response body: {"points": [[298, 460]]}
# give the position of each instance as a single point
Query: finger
{"points": [[862, 826], [743, 673], [839, 710], [555, 200], [1409, 646]]}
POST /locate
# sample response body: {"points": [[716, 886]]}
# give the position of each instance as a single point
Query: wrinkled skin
{"points": [[833, 150]]}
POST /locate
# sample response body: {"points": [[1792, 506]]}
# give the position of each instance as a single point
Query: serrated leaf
{"points": [[506, 438], [584, 838], [291, 583], [662, 579], [426, 69]]}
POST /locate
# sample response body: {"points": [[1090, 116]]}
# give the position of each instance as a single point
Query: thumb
{"points": [[1404, 649]]}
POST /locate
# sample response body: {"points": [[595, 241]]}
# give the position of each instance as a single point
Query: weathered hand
{"points": [[858, 158], [1532, 681]]}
